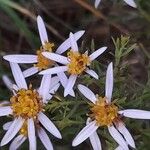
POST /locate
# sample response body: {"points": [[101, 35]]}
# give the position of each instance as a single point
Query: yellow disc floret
{"points": [[104, 113], [24, 129], [78, 62], [48, 46], [43, 62], [26, 103]]}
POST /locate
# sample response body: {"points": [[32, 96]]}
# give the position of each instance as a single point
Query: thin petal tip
{"points": [[65, 94], [3, 142], [74, 143], [39, 18], [59, 136], [6, 57]]}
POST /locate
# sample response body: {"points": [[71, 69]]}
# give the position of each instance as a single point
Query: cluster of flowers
{"points": [[26, 106]]}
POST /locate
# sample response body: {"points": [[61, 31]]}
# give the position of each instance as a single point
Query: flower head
{"points": [[75, 63], [26, 103], [27, 110], [78, 62], [43, 62], [105, 113]]}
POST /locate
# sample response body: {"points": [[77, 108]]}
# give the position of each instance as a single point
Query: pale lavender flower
{"points": [[74, 64], [110, 117], [27, 110]]}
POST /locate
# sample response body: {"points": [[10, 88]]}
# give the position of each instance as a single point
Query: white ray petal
{"points": [[94, 139], [63, 79], [109, 83], [97, 53], [131, 3], [92, 73], [18, 76], [5, 110], [135, 113], [47, 123], [45, 139], [97, 3], [4, 103], [26, 59], [7, 125], [56, 57], [49, 97], [7, 82], [42, 30], [86, 132], [70, 84], [55, 88], [54, 81], [124, 131], [45, 87], [66, 44], [30, 71], [17, 142], [87, 93], [12, 131], [54, 70], [117, 137], [31, 134], [74, 46], [15, 87], [119, 148]]}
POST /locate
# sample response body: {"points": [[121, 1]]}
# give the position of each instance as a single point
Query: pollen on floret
{"points": [[43, 62], [78, 62], [26, 103], [48, 46], [104, 114], [24, 129]]}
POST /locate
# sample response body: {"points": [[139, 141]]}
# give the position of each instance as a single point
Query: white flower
{"points": [[105, 113], [20, 139], [129, 2], [75, 64], [39, 61], [26, 108]]}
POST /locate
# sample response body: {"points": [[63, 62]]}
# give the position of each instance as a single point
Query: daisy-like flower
{"points": [[22, 136], [40, 62], [129, 2], [27, 110], [106, 113], [75, 63]]}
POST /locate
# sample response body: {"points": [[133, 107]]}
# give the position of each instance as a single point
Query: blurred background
{"points": [[113, 18]]}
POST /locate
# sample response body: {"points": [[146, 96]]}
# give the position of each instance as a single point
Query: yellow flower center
{"points": [[43, 62], [48, 46], [104, 114], [78, 62], [24, 129], [26, 103]]}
